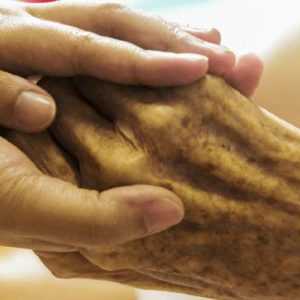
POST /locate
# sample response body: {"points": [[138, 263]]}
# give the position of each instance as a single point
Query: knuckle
{"points": [[13, 195], [112, 6], [94, 226], [158, 117], [178, 36], [168, 122], [12, 183], [82, 42], [102, 227], [106, 230], [217, 35], [133, 65], [84, 37], [174, 37], [108, 13]]}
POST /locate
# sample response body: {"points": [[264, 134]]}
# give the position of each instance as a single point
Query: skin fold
{"points": [[235, 166]]}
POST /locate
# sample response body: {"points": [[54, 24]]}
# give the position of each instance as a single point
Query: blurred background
{"points": [[269, 28]]}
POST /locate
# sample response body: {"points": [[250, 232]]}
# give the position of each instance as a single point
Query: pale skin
{"points": [[110, 42]]}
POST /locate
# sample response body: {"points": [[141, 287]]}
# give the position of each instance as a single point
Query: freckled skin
{"points": [[235, 167]]}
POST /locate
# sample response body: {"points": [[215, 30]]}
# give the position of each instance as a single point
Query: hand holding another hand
{"points": [[110, 42]]}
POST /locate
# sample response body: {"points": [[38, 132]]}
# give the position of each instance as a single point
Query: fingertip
{"points": [[170, 69], [190, 68], [256, 62], [211, 35], [195, 67], [138, 194], [161, 215], [246, 74], [215, 36], [251, 60], [159, 208], [222, 61], [33, 111], [157, 192]]}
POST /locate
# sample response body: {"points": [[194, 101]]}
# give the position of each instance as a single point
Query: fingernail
{"points": [[217, 49], [208, 30], [159, 55], [198, 29], [33, 111], [163, 214], [192, 57], [179, 68]]}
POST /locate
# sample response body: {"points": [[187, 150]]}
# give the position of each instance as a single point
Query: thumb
{"points": [[23, 105], [83, 218], [46, 208]]}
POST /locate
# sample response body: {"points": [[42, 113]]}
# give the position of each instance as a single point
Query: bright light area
{"points": [[247, 25], [20, 264]]}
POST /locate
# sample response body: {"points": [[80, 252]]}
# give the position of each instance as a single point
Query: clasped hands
{"points": [[109, 42]]}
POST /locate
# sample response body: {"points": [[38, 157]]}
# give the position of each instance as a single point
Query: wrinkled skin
{"points": [[235, 166]]}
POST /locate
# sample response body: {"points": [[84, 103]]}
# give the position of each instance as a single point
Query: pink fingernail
{"points": [[160, 215]]}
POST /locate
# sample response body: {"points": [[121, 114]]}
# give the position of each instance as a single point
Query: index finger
{"points": [[30, 45]]}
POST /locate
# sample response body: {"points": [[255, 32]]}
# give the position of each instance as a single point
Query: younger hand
{"points": [[48, 214], [104, 40]]}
